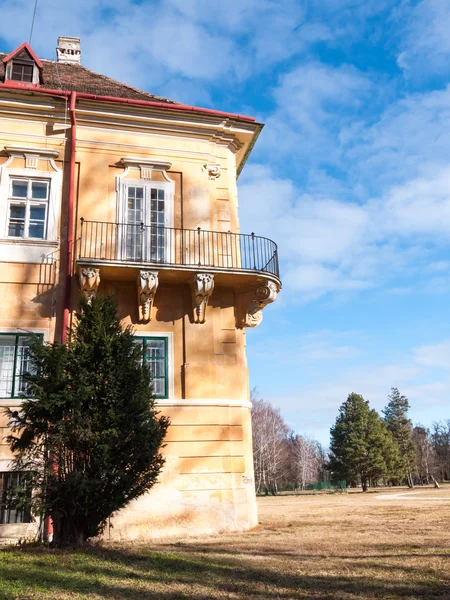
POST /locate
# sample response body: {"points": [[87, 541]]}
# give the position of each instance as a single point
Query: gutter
{"points": [[147, 103], [70, 219]]}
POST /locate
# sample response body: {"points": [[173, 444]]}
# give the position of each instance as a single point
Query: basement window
{"points": [[14, 486]]}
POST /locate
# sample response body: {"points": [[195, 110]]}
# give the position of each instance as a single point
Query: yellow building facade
{"points": [[107, 188]]}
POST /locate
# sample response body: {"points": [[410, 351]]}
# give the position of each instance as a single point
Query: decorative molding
{"points": [[263, 295], [32, 156], [224, 136], [225, 402], [89, 282], [213, 169], [147, 286], [202, 288], [146, 166]]}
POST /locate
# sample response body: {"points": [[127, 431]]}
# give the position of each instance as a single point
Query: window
{"points": [[14, 363], [28, 208], [14, 485], [156, 356], [146, 220], [22, 71]]}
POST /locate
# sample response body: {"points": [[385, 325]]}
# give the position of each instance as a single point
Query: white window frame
{"points": [[29, 250], [147, 184], [28, 202], [170, 363]]}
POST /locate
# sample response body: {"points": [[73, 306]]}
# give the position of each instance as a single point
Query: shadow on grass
{"points": [[180, 574]]}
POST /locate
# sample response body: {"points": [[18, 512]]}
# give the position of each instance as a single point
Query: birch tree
{"points": [[269, 445], [440, 441]]}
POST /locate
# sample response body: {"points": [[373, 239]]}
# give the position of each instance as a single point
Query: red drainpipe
{"points": [[69, 250], [70, 219]]}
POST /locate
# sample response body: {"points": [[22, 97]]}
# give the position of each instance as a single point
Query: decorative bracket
{"points": [[213, 169], [202, 288], [263, 295], [89, 282], [147, 286]]}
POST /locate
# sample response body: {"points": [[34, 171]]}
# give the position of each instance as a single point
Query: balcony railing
{"points": [[171, 246]]}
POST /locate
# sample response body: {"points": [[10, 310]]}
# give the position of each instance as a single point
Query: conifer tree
{"points": [[395, 416], [361, 446], [89, 433]]}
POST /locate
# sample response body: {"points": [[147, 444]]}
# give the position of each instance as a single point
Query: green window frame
{"points": [[14, 363], [156, 355]]}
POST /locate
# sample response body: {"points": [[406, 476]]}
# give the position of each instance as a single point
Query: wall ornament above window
{"points": [[32, 156], [146, 166], [213, 169]]}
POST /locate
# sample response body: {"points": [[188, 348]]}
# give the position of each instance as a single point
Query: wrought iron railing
{"points": [[157, 245]]}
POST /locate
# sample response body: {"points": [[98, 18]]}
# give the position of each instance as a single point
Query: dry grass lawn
{"points": [[343, 546]]}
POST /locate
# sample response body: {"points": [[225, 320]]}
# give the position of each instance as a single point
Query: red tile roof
{"points": [[76, 78]]}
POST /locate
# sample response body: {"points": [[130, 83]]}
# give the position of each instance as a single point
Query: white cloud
{"points": [[314, 406], [154, 42], [314, 103], [436, 356], [426, 43]]}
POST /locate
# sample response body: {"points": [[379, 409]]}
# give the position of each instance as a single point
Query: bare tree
{"points": [[440, 441], [269, 445], [306, 459], [424, 452], [281, 457]]}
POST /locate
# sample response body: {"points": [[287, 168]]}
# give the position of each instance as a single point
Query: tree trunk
{"points": [[364, 484], [66, 533], [436, 485]]}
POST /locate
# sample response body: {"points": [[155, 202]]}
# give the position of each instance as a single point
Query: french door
{"points": [[145, 237]]}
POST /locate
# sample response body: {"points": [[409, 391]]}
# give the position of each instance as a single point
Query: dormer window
{"points": [[22, 71], [23, 66]]}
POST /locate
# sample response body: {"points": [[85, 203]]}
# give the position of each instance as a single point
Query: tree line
{"points": [[366, 448], [282, 459]]}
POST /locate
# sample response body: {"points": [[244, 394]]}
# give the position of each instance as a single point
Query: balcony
{"points": [[175, 250], [202, 259]]}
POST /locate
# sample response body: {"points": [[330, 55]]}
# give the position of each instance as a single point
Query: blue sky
{"points": [[351, 175]]}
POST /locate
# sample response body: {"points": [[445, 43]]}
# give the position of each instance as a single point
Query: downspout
{"points": [[48, 524], [70, 219]]}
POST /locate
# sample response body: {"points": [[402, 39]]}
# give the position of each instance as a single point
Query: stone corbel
{"points": [[202, 288], [262, 296], [89, 282], [213, 169], [147, 286]]}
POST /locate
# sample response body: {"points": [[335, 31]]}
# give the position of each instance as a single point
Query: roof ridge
{"points": [[127, 85], [62, 75]]}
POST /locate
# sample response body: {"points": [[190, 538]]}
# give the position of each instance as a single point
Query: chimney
{"points": [[68, 50]]}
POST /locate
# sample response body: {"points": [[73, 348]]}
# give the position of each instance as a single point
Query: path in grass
{"points": [[333, 547]]}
